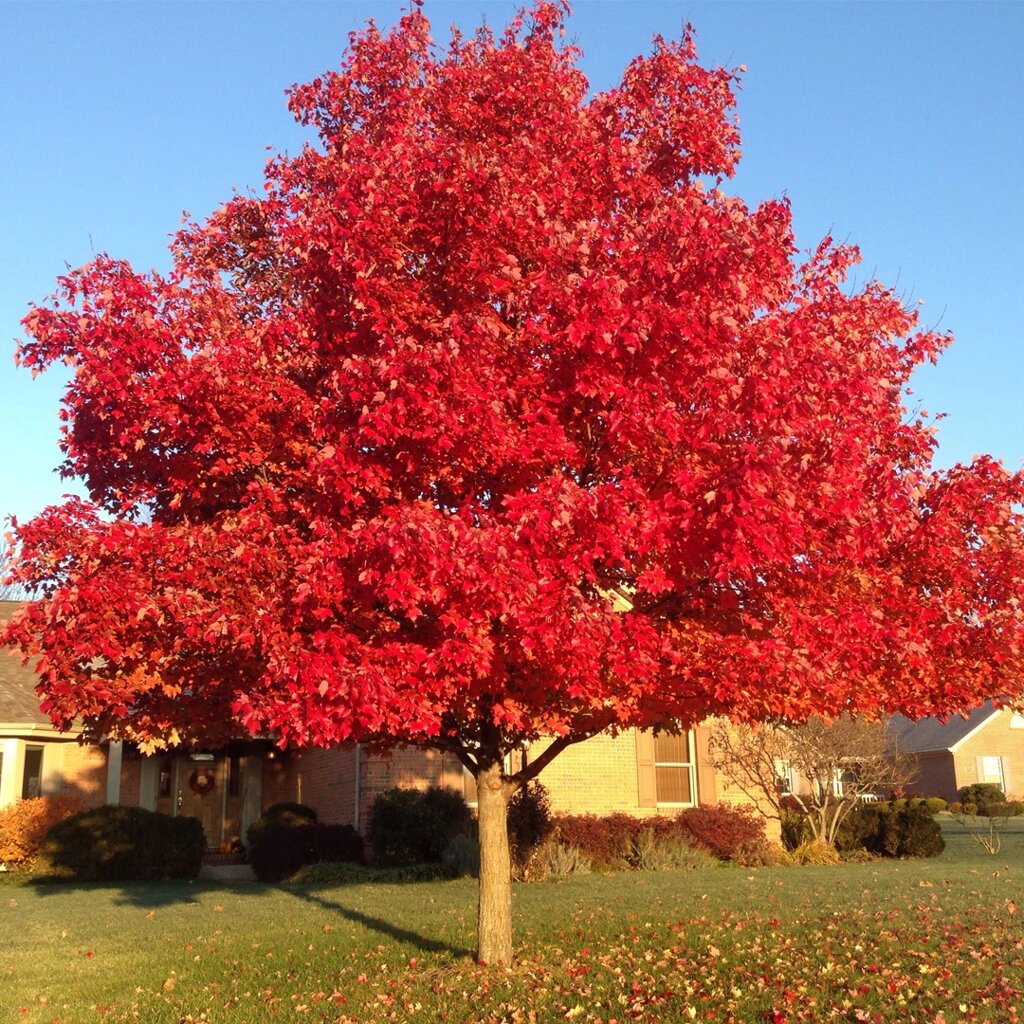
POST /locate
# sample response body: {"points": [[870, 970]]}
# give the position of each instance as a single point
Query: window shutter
{"points": [[706, 792], [1007, 781], [646, 784]]}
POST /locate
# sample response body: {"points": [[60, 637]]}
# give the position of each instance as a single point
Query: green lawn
{"points": [[886, 942]]}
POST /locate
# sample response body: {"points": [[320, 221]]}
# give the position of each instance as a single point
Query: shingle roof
{"points": [[929, 734], [18, 701]]}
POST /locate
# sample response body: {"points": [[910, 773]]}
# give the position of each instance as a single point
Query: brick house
{"points": [[986, 746], [635, 772]]}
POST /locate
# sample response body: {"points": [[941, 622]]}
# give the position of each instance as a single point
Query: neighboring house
{"points": [[635, 772], [986, 746]]}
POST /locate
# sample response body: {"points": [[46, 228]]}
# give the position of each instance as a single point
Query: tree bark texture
{"points": [[494, 910]]}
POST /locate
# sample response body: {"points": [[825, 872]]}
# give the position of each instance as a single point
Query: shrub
{"points": [[276, 853], [919, 834], [462, 856], [529, 823], [606, 842], [341, 873], [24, 825], [858, 828], [1001, 809], [935, 804], [815, 852], [721, 829], [283, 815], [906, 832], [759, 853], [555, 860], [980, 795], [796, 829], [114, 843], [652, 852], [412, 827]]}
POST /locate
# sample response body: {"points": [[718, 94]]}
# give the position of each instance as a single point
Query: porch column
{"points": [[114, 772]]}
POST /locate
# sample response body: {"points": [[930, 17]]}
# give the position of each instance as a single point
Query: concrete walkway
{"points": [[226, 873]]}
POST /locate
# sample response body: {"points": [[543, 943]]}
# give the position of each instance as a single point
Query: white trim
{"points": [[981, 725], [114, 771], [149, 782], [691, 766]]}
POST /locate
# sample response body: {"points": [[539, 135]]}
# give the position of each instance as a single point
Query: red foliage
{"points": [[610, 840], [372, 458], [24, 824], [605, 840], [722, 830]]}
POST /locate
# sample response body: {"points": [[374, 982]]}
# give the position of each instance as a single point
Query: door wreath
{"points": [[201, 781]]}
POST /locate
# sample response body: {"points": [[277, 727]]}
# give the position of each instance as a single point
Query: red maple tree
{"points": [[495, 418]]}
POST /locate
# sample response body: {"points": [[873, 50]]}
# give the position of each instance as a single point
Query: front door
{"points": [[201, 794]]}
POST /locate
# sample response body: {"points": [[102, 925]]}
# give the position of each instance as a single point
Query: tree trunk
{"points": [[494, 910]]}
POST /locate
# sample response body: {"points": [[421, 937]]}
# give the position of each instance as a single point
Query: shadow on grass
{"points": [[157, 894], [162, 893], [378, 924]]}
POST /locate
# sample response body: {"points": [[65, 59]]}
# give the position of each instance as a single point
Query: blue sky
{"points": [[894, 126]]}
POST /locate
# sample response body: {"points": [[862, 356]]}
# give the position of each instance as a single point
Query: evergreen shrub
{"points": [[116, 843], [277, 852], [408, 826]]}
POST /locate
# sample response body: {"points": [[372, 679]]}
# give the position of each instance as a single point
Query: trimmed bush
{"points": [[117, 844], [529, 823], [24, 825], [892, 832], [283, 815], [1001, 809], [858, 829], [408, 826], [721, 829], [935, 804], [276, 853], [981, 793]]}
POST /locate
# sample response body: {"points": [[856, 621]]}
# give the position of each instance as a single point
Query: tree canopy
{"points": [[495, 416]]}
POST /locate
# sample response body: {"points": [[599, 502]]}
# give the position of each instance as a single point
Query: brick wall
{"points": [[598, 776], [936, 776], [83, 772], [999, 737], [321, 779]]}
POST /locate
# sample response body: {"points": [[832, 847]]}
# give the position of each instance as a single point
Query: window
{"points": [[841, 780], [32, 780], [992, 770], [784, 777], [164, 779], [234, 776], [674, 770], [1017, 722]]}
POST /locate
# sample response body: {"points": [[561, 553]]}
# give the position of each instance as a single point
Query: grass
{"points": [[912, 942]]}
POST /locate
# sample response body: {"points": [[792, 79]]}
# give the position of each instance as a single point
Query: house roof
{"points": [[927, 735], [19, 704]]}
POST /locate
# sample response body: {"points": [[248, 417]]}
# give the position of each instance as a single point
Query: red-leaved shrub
{"points": [[611, 842], [24, 825], [721, 829], [605, 841]]}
